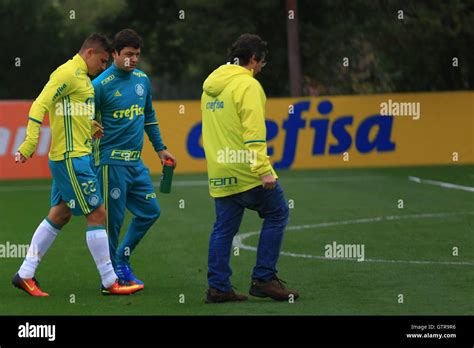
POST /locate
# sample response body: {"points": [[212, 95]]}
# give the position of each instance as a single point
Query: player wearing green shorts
{"points": [[68, 97]]}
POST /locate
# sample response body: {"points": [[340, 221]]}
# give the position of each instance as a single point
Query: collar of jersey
{"points": [[120, 72], [79, 61]]}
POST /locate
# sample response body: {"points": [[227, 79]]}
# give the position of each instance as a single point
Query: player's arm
{"points": [[97, 130], [153, 130], [251, 111], [58, 86]]}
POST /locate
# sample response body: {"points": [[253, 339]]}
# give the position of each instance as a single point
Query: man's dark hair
{"points": [[127, 38], [98, 42], [245, 47]]}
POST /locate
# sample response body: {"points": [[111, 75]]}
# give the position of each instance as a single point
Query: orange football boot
{"points": [[121, 288], [30, 286]]}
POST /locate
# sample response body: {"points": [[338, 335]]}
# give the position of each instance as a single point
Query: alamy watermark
{"points": [[37, 331], [345, 251], [11, 250], [228, 155], [75, 109], [392, 108]]}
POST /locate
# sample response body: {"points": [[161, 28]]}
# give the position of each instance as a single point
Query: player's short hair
{"points": [[127, 38], [98, 42], [245, 47]]}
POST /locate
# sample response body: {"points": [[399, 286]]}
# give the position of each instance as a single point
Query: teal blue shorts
{"points": [[75, 183]]}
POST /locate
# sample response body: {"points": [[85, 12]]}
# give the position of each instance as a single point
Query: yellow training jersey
{"points": [[69, 98], [233, 131]]}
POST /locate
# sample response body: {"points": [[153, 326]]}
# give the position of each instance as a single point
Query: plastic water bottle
{"points": [[167, 176]]}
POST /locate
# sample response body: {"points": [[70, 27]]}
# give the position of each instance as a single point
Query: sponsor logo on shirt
{"points": [[216, 104], [139, 74], [129, 113], [59, 91], [107, 80], [125, 155], [228, 181]]}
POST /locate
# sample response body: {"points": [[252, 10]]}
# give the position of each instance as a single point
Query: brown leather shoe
{"points": [[217, 296], [273, 288]]}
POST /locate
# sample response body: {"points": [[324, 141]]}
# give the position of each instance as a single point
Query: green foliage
{"points": [[386, 54]]}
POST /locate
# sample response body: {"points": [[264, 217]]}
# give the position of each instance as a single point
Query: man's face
{"points": [[96, 61], [127, 59]]}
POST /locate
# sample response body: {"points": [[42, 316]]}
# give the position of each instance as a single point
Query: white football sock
{"points": [[42, 239], [98, 244]]}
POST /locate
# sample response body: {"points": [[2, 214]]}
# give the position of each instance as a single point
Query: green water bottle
{"points": [[167, 176]]}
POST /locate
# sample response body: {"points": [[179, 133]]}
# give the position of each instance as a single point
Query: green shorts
{"points": [[75, 183]]}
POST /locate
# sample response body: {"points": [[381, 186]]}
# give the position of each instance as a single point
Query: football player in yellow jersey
{"points": [[233, 122], [68, 97]]}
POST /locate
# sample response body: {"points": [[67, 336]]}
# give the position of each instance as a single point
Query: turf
{"points": [[172, 259]]}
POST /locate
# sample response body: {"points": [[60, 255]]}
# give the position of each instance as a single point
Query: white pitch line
{"points": [[181, 183], [239, 240], [441, 184]]}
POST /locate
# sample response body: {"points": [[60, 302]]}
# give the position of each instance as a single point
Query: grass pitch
{"points": [[408, 251]]}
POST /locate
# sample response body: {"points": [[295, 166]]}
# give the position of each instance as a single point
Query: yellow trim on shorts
{"points": [[77, 188]]}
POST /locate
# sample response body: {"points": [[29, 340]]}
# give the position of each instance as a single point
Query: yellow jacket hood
{"points": [[221, 77]]}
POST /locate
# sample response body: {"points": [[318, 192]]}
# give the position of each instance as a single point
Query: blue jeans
{"points": [[271, 206]]}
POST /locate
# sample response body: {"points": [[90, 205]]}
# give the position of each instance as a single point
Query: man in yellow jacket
{"points": [[240, 173]]}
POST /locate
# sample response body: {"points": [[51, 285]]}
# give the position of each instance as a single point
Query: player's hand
{"points": [[268, 182], [19, 158], [97, 130], [164, 155]]}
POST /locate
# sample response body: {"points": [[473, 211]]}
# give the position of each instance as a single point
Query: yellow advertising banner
{"points": [[341, 131], [324, 132]]}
